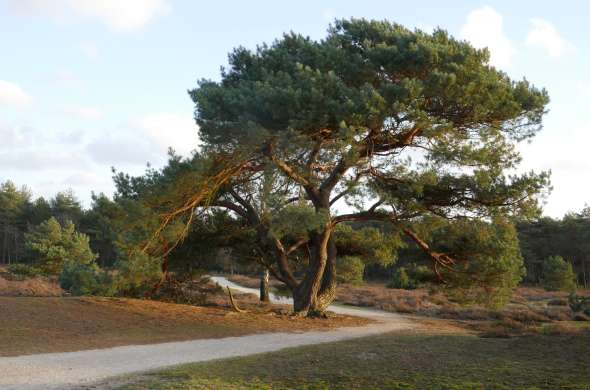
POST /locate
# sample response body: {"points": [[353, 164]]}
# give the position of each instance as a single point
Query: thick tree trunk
{"points": [[264, 286], [317, 290], [327, 292]]}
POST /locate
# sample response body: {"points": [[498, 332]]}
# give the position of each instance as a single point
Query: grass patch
{"points": [[395, 361]]}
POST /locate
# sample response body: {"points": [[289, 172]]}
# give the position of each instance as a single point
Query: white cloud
{"points": [[86, 113], [122, 149], [545, 36], [89, 50], [170, 130], [484, 28], [145, 139], [51, 160], [563, 151], [118, 15], [13, 95]]}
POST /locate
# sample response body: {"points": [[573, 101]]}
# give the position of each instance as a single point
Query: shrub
{"points": [[350, 270], [23, 270], [558, 275], [421, 274], [137, 272], [402, 280], [411, 277], [84, 279], [579, 304]]}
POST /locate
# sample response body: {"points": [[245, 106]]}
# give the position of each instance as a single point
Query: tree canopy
{"points": [[398, 124]]}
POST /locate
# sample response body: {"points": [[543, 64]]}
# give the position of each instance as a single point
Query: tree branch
{"points": [[438, 257], [296, 245], [364, 216], [282, 262], [230, 206]]}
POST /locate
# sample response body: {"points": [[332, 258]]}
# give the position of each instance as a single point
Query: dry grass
{"points": [[39, 325], [11, 286], [249, 281], [528, 312]]}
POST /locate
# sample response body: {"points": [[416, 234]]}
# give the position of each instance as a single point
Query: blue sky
{"points": [[90, 84]]}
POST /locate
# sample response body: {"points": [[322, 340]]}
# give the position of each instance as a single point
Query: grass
{"points": [[31, 325], [395, 361]]}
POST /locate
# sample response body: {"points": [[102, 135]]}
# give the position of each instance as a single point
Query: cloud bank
{"points": [[117, 15]]}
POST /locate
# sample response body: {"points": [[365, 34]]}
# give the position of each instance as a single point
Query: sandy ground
{"points": [[92, 369]]}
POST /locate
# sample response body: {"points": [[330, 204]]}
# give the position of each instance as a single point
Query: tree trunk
{"points": [[317, 290], [264, 286], [327, 292], [584, 273]]}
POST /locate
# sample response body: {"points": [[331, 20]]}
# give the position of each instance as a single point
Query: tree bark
{"points": [[264, 286], [317, 290], [327, 292]]}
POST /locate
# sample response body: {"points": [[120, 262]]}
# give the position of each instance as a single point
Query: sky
{"points": [[86, 85]]}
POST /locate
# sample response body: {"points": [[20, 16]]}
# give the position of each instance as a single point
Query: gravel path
{"points": [[83, 369]]}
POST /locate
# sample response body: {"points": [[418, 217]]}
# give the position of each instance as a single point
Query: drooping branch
{"points": [[233, 303], [442, 259]]}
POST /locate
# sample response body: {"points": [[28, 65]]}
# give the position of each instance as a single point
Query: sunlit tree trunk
{"points": [[264, 286], [317, 289]]}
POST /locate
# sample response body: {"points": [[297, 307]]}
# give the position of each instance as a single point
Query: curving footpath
{"points": [[80, 370]]}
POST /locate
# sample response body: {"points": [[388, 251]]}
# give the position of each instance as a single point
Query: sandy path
{"points": [[79, 370]]}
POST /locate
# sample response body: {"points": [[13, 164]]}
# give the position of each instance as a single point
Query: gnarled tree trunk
{"points": [[317, 289]]}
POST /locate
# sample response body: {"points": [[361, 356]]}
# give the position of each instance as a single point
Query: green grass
{"points": [[396, 362]]}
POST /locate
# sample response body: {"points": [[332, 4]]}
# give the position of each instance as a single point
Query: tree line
{"points": [[218, 242]]}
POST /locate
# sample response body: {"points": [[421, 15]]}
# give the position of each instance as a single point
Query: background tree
{"points": [[13, 205], [66, 207], [558, 275], [568, 237], [54, 246], [401, 124]]}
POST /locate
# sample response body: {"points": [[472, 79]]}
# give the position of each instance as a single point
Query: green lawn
{"points": [[396, 362]]}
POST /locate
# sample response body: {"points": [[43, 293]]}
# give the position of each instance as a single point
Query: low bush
{"points": [[84, 279], [558, 275], [557, 302], [558, 313], [401, 279], [23, 270], [350, 270], [525, 316], [411, 277], [579, 304]]}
